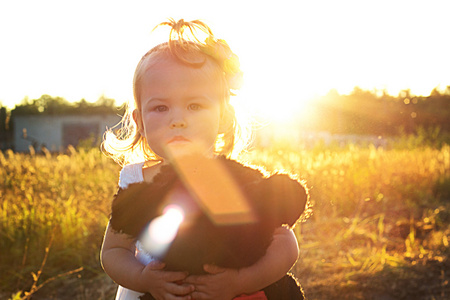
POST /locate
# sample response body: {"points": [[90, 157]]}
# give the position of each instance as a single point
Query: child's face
{"points": [[180, 109]]}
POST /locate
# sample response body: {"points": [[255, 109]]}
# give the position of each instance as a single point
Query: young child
{"points": [[182, 107]]}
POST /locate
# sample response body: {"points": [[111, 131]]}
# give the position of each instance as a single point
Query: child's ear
{"points": [[138, 120]]}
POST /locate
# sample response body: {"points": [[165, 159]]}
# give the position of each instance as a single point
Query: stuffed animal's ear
{"points": [[124, 215], [287, 198]]}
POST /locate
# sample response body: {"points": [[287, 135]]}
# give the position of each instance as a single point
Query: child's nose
{"points": [[178, 120], [178, 124]]}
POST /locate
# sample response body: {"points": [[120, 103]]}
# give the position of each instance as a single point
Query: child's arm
{"points": [[119, 262], [228, 283]]}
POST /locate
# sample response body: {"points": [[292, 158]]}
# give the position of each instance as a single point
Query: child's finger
{"points": [[180, 289], [194, 279], [156, 265], [175, 277], [212, 269], [199, 295]]}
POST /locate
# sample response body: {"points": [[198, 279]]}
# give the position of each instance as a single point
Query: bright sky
{"points": [[289, 50]]}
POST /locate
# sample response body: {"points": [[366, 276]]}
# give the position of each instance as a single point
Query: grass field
{"points": [[380, 227]]}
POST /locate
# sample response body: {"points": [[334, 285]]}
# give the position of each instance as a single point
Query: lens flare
{"points": [[163, 230], [214, 189]]}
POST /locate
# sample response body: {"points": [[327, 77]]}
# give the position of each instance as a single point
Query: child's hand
{"points": [[220, 283], [164, 284]]}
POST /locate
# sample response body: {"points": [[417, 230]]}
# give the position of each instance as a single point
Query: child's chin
{"points": [[178, 151]]}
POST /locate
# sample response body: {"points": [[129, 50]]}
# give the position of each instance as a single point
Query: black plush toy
{"points": [[227, 240]]}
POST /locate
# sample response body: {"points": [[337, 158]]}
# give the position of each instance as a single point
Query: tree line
{"points": [[48, 105], [378, 113]]}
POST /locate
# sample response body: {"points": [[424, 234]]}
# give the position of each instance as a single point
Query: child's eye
{"points": [[160, 108], [195, 106]]}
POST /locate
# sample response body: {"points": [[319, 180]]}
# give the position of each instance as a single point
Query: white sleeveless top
{"points": [[131, 174], [128, 175]]}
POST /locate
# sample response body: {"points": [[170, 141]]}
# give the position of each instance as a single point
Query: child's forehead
{"points": [[165, 77], [166, 63]]}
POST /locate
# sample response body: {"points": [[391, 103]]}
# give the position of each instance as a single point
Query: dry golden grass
{"points": [[380, 227]]}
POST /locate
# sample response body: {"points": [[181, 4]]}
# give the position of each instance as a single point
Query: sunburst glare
{"points": [[163, 230]]}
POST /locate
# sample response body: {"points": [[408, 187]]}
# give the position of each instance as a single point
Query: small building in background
{"points": [[56, 132]]}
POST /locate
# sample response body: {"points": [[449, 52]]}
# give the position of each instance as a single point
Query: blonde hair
{"points": [[124, 143]]}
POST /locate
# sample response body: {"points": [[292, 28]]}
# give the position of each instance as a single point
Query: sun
{"points": [[275, 99], [274, 88]]}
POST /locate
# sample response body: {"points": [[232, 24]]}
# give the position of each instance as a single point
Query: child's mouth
{"points": [[178, 139]]}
